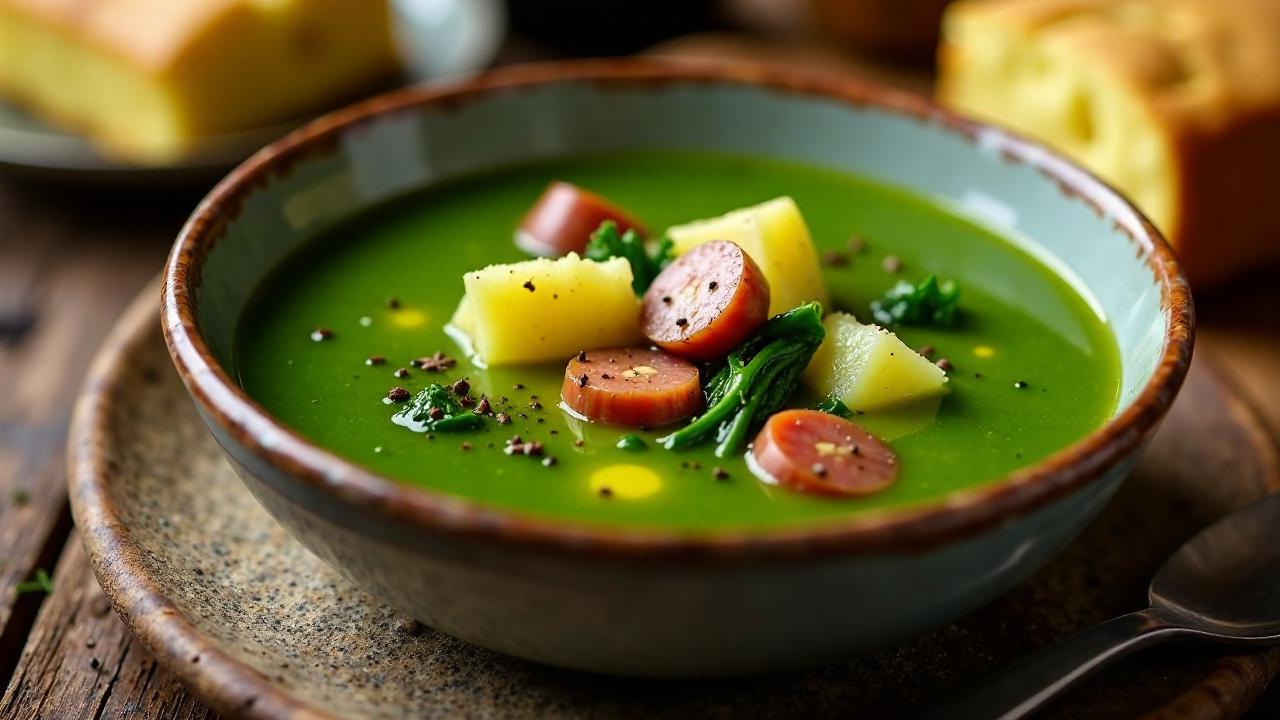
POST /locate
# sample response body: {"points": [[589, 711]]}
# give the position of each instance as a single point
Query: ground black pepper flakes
{"points": [[719, 473], [465, 446], [579, 442], [819, 469], [393, 303], [401, 373], [681, 322], [535, 405], [944, 364], [467, 401], [695, 465], [502, 418], [397, 394], [373, 360], [321, 334], [1021, 384], [528, 285], [461, 387], [978, 375], [582, 356], [666, 299], [483, 407], [554, 431], [605, 376], [436, 413], [605, 492], [582, 380], [549, 461], [518, 386], [713, 285], [436, 362], [528, 449]]}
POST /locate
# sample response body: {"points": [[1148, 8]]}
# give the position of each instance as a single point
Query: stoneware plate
{"points": [[656, 602], [260, 628]]}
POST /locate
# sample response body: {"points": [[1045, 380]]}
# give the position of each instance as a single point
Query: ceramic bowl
{"points": [[660, 603]]}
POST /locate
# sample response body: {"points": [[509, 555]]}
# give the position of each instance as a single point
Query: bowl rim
{"points": [[910, 528]]}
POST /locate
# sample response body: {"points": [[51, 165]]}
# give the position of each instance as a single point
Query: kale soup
{"points": [[677, 340]]}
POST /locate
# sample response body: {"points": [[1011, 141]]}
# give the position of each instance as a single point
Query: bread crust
{"points": [[1206, 75]]}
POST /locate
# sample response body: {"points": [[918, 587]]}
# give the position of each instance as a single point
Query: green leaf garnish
{"points": [[607, 243], [929, 303], [755, 382], [435, 409], [40, 582], [834, 406]]}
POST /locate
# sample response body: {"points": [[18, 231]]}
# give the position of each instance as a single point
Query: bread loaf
{"points": [[145, 78], [1175, 102]]}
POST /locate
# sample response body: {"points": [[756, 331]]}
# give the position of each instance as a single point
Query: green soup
{"points": [[1034, 367]]}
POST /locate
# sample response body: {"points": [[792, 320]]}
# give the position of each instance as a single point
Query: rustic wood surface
{"points": [[69, 262]]}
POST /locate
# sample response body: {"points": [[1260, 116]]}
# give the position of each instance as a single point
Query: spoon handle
{"points": [[1020, 688]]}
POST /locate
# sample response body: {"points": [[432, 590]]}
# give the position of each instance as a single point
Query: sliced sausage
{"points": [[563, 218], [706, 302], [636, 387], [815, 452]]}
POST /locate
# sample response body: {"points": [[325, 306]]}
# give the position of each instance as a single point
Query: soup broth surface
{"points": [[1034, 367]]}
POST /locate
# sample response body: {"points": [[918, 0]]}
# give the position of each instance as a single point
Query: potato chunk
{"points": [[774, 234], [868, 367], [546, 309]]}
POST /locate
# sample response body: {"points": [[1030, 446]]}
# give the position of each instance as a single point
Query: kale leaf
{"points": [[834, 406], [929, 303], [435, 409], [755, 382], [606, 243]]}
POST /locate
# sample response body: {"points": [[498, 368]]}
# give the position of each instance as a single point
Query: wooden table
{"points": [[69, 262]]}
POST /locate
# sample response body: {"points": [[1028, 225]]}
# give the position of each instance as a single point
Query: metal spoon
{"points": [[1223, 585]]}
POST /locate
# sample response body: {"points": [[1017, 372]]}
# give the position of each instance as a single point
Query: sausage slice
{"points": [[706, 302], [637, 387], [563, 218], [816, 452]]}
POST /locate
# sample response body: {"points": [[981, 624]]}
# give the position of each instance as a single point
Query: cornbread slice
{"points": [[1176, 102], [145, 78]]}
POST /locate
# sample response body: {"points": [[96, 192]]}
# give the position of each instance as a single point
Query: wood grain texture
{"points": [[81, 661], [68, 265]]}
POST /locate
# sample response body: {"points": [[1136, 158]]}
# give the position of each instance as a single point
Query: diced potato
{"points": [[868, 367], [774, 234], [547, 309]]}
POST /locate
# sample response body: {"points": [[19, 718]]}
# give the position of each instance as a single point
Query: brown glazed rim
{"points": [[913, 528]]}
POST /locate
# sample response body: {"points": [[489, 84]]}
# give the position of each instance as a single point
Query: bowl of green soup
{"points": [[667, 371]]}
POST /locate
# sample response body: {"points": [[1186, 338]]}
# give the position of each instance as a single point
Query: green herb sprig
{"points": [[928, 303], [418, 414], [756, 381], [40, 582], [834, 406], [607, 243]]}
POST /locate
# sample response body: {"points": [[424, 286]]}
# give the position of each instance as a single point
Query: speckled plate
{"points": [[259, 628]]}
